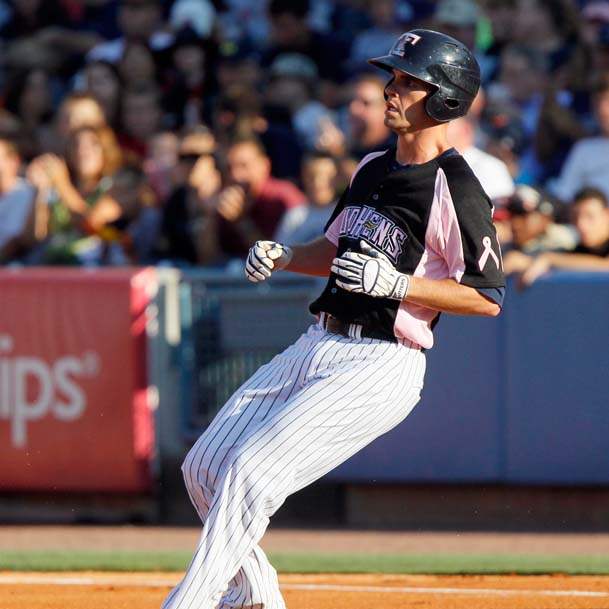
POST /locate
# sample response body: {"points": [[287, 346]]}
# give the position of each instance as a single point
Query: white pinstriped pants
{"points": [[298, 417]]}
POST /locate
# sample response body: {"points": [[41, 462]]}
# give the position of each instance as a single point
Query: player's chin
{"points": [[396, 122], [392, 119]]}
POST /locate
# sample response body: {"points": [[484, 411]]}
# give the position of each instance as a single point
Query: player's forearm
{"points": [[312, 258], [448, 296]]}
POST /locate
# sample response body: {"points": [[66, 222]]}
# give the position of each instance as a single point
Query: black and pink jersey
{"points": [[431, 220]]}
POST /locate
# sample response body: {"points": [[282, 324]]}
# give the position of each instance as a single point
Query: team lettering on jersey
{"points": [[367, 223]]}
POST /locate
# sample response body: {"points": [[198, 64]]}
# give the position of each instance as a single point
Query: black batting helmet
{"points": [[441, 61]]}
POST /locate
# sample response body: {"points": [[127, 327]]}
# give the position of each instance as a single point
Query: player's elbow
{"points": [[491, 309]]}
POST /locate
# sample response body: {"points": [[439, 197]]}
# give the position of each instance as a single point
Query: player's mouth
{"points": [[390, 108]]}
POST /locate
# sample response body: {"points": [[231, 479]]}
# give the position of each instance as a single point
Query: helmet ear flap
{"points": [[434, 107], [441, 109]]}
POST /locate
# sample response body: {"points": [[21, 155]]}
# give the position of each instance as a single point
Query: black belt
{"points": [[333, 325]]}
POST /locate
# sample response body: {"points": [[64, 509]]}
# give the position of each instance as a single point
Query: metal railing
{"points": [[229, 328]]}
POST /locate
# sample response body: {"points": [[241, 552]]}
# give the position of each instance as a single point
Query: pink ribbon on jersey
{"points": [[488, 251]]}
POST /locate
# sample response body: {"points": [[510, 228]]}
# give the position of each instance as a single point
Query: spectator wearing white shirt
{"points": [[16, 205], [588, 162], [493, 173], [306, 222]]}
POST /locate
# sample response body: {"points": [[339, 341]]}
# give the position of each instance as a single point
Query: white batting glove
{"points": [[265, 257], [370, 273]]}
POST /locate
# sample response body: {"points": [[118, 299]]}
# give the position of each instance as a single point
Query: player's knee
{"points": [[189, 472], [264, 485]]}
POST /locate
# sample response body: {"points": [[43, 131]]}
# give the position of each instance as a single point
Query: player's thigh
{"points": [[330, 419]]}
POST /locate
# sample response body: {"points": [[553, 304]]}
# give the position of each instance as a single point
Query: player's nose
{"points": [[389, 88]]}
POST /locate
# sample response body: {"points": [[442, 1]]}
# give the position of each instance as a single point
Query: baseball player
{"points": [[410, 238]]}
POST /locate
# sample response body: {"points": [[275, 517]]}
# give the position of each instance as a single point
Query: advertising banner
{"points": [[75, 413]]}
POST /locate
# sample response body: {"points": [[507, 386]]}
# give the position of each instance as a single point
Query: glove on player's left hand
{"points": [[265, 257], [370, 273]]}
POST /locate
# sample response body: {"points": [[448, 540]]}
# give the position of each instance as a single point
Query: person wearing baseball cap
{"points": [[534, 230], [590, 211]]}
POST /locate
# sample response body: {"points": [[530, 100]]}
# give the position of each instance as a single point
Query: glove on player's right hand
{"points": [[265, 257]]}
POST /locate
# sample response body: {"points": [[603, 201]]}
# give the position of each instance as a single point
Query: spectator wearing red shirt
{"points": [[253, 202]]}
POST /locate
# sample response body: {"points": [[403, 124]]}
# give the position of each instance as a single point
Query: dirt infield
{"points": [[146, 591]]}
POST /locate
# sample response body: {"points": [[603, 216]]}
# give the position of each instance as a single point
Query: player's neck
{"points": [[422, 146]]}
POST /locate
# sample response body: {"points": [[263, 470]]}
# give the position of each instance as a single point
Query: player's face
{"points": [[405, 104]]}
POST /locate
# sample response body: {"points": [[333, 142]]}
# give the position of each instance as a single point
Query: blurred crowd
{"points": [[179, 132]]}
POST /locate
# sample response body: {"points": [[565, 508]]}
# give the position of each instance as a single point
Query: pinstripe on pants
{"points": [[297, 418]]}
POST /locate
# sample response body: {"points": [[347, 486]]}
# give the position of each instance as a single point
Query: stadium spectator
{"points": [[102, 81], [290, 33], [389, 19], [29, 17], [16, 205], [190, 87], [586, 164], [244, 20], [591, 218], [523, 75], [29, 97], [492, 172], [140, 21], [197, 14], [565, 115], [160, 163], [458, 18], [366, 130], [53, 29], [76, 192], [137, 66], [151, 67], [306, 222], [189, 227], [505, 138], [237, 63], [77, 110], [252, 202], [501, 15], [141, 119], [292, 89], [132, 236], [533, 228], [239, 112], [549, 27]]}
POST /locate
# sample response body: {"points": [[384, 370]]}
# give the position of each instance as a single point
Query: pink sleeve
{"points": [[450, 239]]}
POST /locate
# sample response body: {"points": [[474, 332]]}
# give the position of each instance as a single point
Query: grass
{"points": [[55, 560]]}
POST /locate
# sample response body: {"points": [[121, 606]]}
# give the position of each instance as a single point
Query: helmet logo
{"points": [[399, 48]]}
